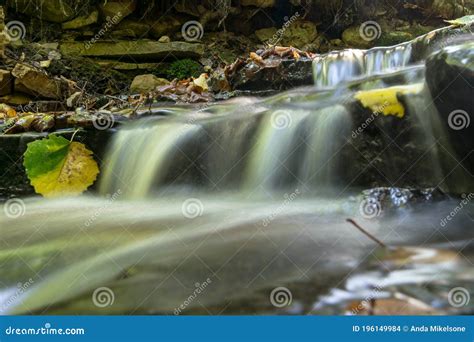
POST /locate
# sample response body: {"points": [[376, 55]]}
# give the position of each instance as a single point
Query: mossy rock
{"points": [[394, 38], [184, 68]]}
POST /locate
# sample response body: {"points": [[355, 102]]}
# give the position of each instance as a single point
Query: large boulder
{"points": [[57, 11], [450, 78]]}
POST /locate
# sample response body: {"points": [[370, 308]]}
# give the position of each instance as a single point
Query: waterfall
{"points": [[261, 151], [339, 66], [141, 156]]}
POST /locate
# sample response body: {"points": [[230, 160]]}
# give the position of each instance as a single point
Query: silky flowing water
{"points": [[236, 200]]}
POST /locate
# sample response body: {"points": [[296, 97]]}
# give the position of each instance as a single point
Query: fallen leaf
{"points": [[201, 82], [463, 21], [385, 101], [57, 167]]}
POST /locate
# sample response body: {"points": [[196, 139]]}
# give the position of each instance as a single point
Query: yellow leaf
{"points": [[57, 167], [202, 82], [385, 100]]}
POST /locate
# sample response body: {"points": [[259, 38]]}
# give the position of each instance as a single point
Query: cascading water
{"points": [[336, 67], [201, 196]]}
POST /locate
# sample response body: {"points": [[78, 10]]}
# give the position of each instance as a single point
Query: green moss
{"points": [[184, 68], [394, 38]]}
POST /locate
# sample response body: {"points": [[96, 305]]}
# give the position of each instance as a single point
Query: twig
{"points": [[370, 236]]}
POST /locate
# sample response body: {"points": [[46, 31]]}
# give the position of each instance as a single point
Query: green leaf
{"points": [[58, 167]]}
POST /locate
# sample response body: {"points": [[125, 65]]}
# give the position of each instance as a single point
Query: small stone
{"points": [[164, 39], [146, 83]]}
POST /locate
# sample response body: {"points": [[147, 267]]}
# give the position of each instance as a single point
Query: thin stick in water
{"points": [[370, 236]]}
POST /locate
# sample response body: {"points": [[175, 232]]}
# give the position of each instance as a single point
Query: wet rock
{"points": [[81, 21], [138, 49], [385, 198], [57, 11], [146, 83], [118, 9], [36, 82], [287, 74], [450, 78], [6, 82]]}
